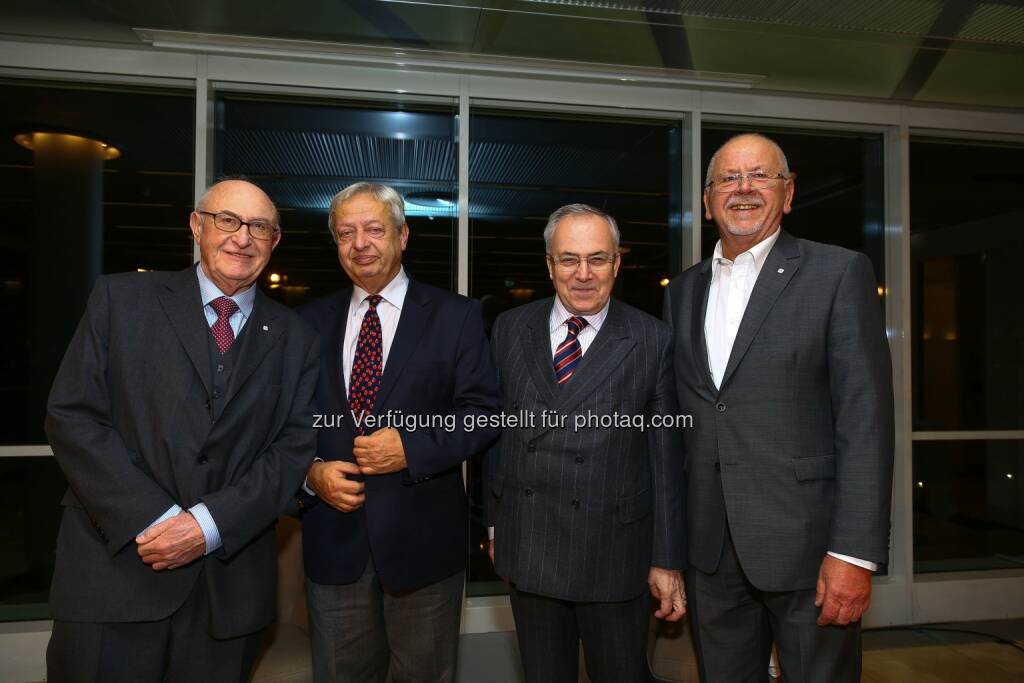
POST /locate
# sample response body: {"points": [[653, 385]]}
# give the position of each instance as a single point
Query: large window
{"points": [[967, 329], [97, 179], [523, 167], [302, 152]]}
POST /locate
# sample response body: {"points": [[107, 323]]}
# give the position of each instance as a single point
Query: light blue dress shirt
{"points": [[245, 300]]}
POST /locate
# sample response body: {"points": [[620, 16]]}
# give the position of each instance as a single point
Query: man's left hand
{"points": [[667, 587], [172, 543], [380, 453], [843, 592]]}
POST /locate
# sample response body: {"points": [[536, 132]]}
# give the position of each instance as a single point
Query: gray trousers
{"points": [[734, 625], [178, 649], [363, 633]]}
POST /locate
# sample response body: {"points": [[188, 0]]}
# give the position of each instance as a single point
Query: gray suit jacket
{"points": [[582, 515], [797, 445], [129, 423]]}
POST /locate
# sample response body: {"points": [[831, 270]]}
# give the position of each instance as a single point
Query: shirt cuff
{"points": [[210, 531], [870, 566], [490, 533], [171, 512], [305, 482]]}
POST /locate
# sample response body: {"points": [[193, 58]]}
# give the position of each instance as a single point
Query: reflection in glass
{"points": [[840, 189], [72, 212], [523, 167], [302, 152], [968, 505], [966, 251]]}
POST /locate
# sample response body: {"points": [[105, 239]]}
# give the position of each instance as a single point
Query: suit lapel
{"points": [[260, 334], [607, 352], [699, 345], [184, 309], [331, 351], [536, 348], [411, 324], [780, 266]]}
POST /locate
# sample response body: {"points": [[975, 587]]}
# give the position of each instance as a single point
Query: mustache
{"points": [[743, 199]]}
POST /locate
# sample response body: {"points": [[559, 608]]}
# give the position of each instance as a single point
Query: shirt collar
{"points": [[559, 315], [393, 292], [759, 252], [209, 291]]}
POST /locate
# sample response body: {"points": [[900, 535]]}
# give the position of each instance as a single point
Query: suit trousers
{"points": [[361, 632], [178, 649], [735, 624], [614, 637]]}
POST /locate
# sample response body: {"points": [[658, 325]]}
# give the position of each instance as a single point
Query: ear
{"points": [[195, 223], [618, 262], [787, 205], [551, 267], [707, 203], [275, 241], [403, 236]]}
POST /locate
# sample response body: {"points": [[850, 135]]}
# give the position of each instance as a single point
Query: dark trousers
{"points": [[734, 625], [614, 637], [178, 649], [361, 632]]}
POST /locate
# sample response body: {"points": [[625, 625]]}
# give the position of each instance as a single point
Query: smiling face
{"points": [[370, 245], [233, 260], [747, 215], [583, 289]]}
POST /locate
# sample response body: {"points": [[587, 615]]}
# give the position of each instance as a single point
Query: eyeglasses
{"points": [[758, 180], [594, 262], [258, 230]]}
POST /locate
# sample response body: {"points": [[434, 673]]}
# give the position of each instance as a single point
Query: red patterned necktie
{"points": [[569, 352], [222, 332], [367, 364]]}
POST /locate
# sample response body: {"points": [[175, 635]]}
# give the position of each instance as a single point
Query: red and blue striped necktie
{"points": [[569, 352]]}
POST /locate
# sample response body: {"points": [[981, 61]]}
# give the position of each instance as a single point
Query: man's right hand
{"points": [[331, 484]]}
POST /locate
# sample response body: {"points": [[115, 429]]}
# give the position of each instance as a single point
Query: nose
{"points": [[744, 180], [359, 240], [583, 271], [241, 236]]}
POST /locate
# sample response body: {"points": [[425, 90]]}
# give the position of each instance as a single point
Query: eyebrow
{"points": [[257, 219]]}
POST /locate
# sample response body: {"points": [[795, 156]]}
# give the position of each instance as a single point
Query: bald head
{"points": [[747, 139], [234, 185]]}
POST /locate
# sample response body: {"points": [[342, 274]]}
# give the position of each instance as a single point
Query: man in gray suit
{"points": [[586, 501], [781, 355], [182, 419]]}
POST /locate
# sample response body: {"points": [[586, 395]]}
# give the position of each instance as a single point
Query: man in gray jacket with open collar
{"points": [[587, 509], [781, 356]]}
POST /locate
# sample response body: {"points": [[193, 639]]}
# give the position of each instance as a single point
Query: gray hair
{"points": [[382, 193], [201, 204], [758, 136], [577, 210]]}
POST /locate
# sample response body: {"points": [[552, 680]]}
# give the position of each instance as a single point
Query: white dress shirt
{"points": [[731, 285], [559, 330], [389, 310]]}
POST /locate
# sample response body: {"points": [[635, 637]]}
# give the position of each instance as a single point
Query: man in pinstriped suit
{"points": [[586, 515]]}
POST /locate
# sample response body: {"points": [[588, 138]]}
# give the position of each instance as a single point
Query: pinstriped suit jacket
{"points": [[583, 514]]}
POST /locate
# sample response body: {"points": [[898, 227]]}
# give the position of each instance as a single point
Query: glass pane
{"points": [[30, 493], [523, 167], [72, 213], [840, 187], [302, 152], [966, 249], [968, 505]]}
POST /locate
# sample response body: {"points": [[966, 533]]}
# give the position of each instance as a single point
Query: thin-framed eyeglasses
{"points": [[227, 222], [594, 261], [759, 180]]}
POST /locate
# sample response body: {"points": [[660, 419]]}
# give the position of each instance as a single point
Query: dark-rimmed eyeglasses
{"points": [[227, 222]]}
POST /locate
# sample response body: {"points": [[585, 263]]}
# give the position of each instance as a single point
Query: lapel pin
{"points": [[781, 270], [267, 329]]}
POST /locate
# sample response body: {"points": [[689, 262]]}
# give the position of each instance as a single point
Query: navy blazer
{"points": [[413, 521]]}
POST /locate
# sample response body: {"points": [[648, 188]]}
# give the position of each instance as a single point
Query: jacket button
{"points": [[202, 459], [531, 448], [528, 492], [575, 503], [579, 458], [720, 407], [718, 466]]}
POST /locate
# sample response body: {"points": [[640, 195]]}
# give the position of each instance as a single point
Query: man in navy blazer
{"points": [[406, 373]]}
